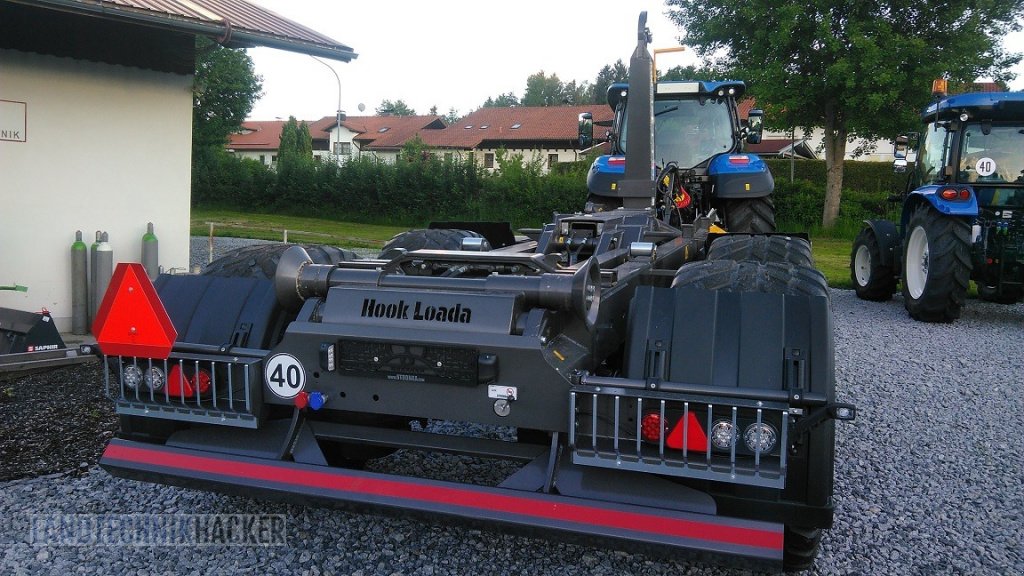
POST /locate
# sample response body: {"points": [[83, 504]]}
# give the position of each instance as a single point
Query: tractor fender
{"points": [[888, 240], [740, 176], [930, 194]]}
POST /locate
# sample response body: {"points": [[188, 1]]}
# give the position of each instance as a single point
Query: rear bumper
{"points": [[700, 534]]}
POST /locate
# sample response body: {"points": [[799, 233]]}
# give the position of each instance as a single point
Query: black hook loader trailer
{"points": [[644, 382]]}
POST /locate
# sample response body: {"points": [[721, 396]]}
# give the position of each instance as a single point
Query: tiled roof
{"points": [[506, 126], [263, 135], [389, 132], [266, 134], [234, 23]]}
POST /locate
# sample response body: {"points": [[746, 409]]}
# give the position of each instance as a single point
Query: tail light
{"points": [[180, 383], [955, 195], [685, 431]]}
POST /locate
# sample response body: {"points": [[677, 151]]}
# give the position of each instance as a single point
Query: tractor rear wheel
{"points": [[871, 279], [749, 215], [425, 239], [796, 251], [936, 265]]}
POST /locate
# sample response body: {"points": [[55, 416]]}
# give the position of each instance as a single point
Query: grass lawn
{"points": [[299, 229], [832, 255]]}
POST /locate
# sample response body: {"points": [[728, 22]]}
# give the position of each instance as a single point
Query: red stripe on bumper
{"points": [[453, 496]]}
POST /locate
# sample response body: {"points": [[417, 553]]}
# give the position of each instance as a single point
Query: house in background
{"points": [[545, 134], [381, 137], [78, 78]]}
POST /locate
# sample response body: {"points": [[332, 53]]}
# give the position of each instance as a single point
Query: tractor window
{"points": [[689, 132], [932, 153], [994, 157]]}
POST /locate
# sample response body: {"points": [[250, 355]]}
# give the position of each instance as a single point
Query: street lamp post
{"points": [[340, 114]]}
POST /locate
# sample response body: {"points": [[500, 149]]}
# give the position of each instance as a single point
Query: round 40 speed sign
{"points": [[285, 375]]}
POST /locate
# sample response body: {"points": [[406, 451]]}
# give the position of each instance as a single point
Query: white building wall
{"points": [[882, 152], [530, 155], [106, 148]]}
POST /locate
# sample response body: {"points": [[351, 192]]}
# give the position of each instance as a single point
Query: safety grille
{"points": [[188, 387], [688, 436]]}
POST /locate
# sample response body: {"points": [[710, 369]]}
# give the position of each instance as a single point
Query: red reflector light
{"points": [[617, 160], [953, 194], [652, 426], [180, 383], [739, 159], [131, 320]]}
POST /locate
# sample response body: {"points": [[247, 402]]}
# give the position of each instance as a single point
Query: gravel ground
{"points": [[928, 479]]}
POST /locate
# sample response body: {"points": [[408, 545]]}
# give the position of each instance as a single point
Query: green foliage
{"points": [[691, 73], [505, 100], [396, 108], [874, 177], [543, 90], [851, 68], [607, 76], [798, 207], [222, 179], [295, 165], [224, 91]]}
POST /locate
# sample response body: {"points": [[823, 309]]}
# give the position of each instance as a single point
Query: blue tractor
{"points": [[699, 136], [963, 211]]}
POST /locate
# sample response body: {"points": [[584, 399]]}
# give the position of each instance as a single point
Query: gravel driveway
{"points": [[929, 481]]}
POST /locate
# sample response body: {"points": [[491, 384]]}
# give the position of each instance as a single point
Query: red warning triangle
{"points": [[131, 320]]}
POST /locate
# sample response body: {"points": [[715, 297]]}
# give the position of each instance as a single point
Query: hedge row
{"points": [[420, 188]]}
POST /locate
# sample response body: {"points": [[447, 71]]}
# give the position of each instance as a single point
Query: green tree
{"points": [[851, 68], [607, 76], [543, 90], [296, 148], [452, 116], [396, 108], [505, 100], [577, 93], [224, 91], [692, 73]]}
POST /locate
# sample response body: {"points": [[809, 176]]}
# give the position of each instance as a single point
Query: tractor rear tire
{"points": [[871, 279], [749, 215], [796, 251], [936, 265], [425, 239], [750, 276], [260, 260]]}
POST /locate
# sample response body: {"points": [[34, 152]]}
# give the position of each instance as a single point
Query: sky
{"points": [[456, 53]]}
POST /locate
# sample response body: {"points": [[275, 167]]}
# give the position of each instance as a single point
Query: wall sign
{"points": [[13, 119]]}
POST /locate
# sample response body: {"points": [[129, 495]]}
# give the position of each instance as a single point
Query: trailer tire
{"points": [[260, 260], [749, 215], [800, 548], [936, 265], [792, 250], [425, 239], [750, 276], [871, 279]]}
